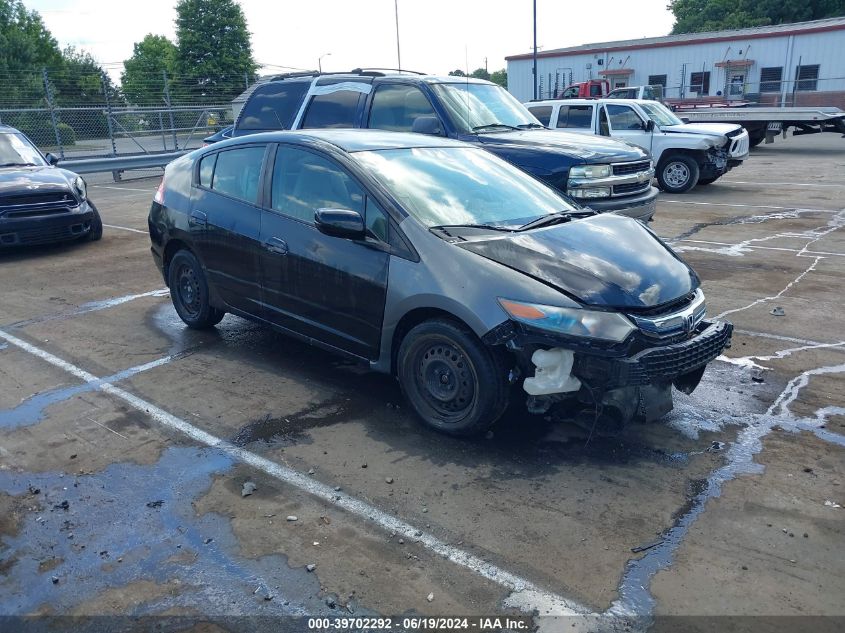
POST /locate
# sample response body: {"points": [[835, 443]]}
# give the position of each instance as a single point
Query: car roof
{"points": [[370, 77], [350, 140], [7, 128]]}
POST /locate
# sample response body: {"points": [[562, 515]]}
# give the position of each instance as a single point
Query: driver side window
{"points": [[623, 118], [396, 107]]}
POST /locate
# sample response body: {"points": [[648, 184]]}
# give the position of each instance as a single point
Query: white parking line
{"points": [[539, 598], [150, 191], [745, 206], [768, 248], [789, 184], [125, 228]]}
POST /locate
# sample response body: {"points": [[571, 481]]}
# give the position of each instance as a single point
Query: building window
{"points": [[700, 83], [770, 79], [807, 77], [657, 80]]}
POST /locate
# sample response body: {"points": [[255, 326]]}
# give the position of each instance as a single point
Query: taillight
{"points": [[159, 196]]}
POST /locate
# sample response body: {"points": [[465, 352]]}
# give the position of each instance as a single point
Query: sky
{"points": [[435, 36]]}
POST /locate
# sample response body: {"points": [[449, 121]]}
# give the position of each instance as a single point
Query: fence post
{"points": [[48, 93], [170, 110], [115, 174]]}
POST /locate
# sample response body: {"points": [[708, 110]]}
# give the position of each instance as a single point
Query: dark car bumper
{"points": [[654, 365], [58, 226], [640, 207]]}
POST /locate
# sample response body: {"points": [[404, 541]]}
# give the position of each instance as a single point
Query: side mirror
{"points": [[52, 159], [649, 126], [427, 125], [340, 223]]}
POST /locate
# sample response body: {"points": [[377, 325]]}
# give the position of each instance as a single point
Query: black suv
{"points": [[602, 173]]}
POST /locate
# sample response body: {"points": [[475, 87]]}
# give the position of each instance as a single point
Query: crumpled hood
{"points": [[607, 260], [590, 148], [16, 180], [702, 128]]}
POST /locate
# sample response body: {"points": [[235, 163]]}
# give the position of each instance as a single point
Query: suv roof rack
{"points": [[380, 72], [364, 72]]}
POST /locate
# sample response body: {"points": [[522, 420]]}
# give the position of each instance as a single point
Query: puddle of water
{"points": [[114, 533]]}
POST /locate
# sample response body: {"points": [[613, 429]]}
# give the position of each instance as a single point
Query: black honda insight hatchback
{"points": [[39, 202], [469, 280]]}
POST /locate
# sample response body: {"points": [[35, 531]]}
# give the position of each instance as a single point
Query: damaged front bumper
{"points": [[627, 381]]}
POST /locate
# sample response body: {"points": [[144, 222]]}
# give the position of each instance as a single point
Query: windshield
{"points": [[461, 185], [660, 114], [472, 106], [16, 151]]}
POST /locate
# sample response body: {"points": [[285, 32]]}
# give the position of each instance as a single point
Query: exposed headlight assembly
{"points": [[80, 187], [608, 326], [590, 171], [589, 192]]}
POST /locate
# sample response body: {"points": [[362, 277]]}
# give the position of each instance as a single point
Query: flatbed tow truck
{"points": [[765, 123]]}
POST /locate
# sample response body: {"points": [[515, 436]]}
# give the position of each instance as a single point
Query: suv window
{"points": [[273, 106], [304, 182], [580, 116], [623, 118], [543, 114], [207, 169], [335, 109], [396, 106], [570, 93], [237, 172]]}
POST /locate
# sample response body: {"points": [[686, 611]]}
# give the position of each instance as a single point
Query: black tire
{"points": [[707, 181], [96, 232], [754, 139], [677, 173], [455, 383], [189, 292]]}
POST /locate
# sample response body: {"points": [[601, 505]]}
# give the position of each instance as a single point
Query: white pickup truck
{"points": [[685, 154]]}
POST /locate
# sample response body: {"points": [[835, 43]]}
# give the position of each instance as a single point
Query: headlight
{"points": [[80, 187], [590, 171], [589, 192], [610, 326]]}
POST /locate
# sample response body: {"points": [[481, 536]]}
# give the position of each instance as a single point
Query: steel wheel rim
{"points": [[445, 380], [188, 290], [676, 174]]}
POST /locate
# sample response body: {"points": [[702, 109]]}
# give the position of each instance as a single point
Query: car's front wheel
{"points": [[96, 232], [677, 173], [189, 292], [454, 382]]}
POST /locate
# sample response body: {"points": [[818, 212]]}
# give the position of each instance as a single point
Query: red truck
{"points": [[594, 88]]}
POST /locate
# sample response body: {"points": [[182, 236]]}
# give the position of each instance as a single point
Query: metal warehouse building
{"points": [[787, 64]]}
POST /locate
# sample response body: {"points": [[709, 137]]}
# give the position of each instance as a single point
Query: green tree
{"points": [[457, 73], [694, 16], [214, 52], [142, 80], [500, 77], [26, 47], [480, 73]]}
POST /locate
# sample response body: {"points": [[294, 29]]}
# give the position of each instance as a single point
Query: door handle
{"points": [[276, 245], [198, 219]]}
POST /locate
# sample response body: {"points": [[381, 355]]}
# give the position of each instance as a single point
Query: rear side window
{"points": [[543, 114], [580, 116], [207, 169], [336, 109], [237, 173], [395, 107], [595, 91], [273, 106], [304, 182]]}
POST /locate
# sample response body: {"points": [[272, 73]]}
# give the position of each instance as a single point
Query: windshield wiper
{"points": [[18, 165], [530, 126], [488, 126], [545, 220], [445, 227]]}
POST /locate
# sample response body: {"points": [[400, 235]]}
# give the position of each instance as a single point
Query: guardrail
{"points": [[117, 164]]}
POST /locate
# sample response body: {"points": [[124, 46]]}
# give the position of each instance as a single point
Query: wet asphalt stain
{"points": [[697, 228], [88, 533]]}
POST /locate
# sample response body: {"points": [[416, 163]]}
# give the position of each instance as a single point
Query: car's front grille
{"points": [[44, 235], [624, 169], [631, 187], [676, 305], [671, 361], [35, 204]]}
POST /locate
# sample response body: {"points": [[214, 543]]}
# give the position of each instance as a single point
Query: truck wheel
{"points": [[189, 292], [455, 383], [677, 173]]}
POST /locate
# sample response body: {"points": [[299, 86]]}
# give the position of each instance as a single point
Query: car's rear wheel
{"points": [[455, 383], [677, 173], [189, 292]]}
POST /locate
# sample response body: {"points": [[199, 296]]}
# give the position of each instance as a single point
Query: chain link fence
{"points": [[85, 115]]}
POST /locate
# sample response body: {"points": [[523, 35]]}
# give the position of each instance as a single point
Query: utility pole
{"points": [[534, 71], [398, 53]]}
